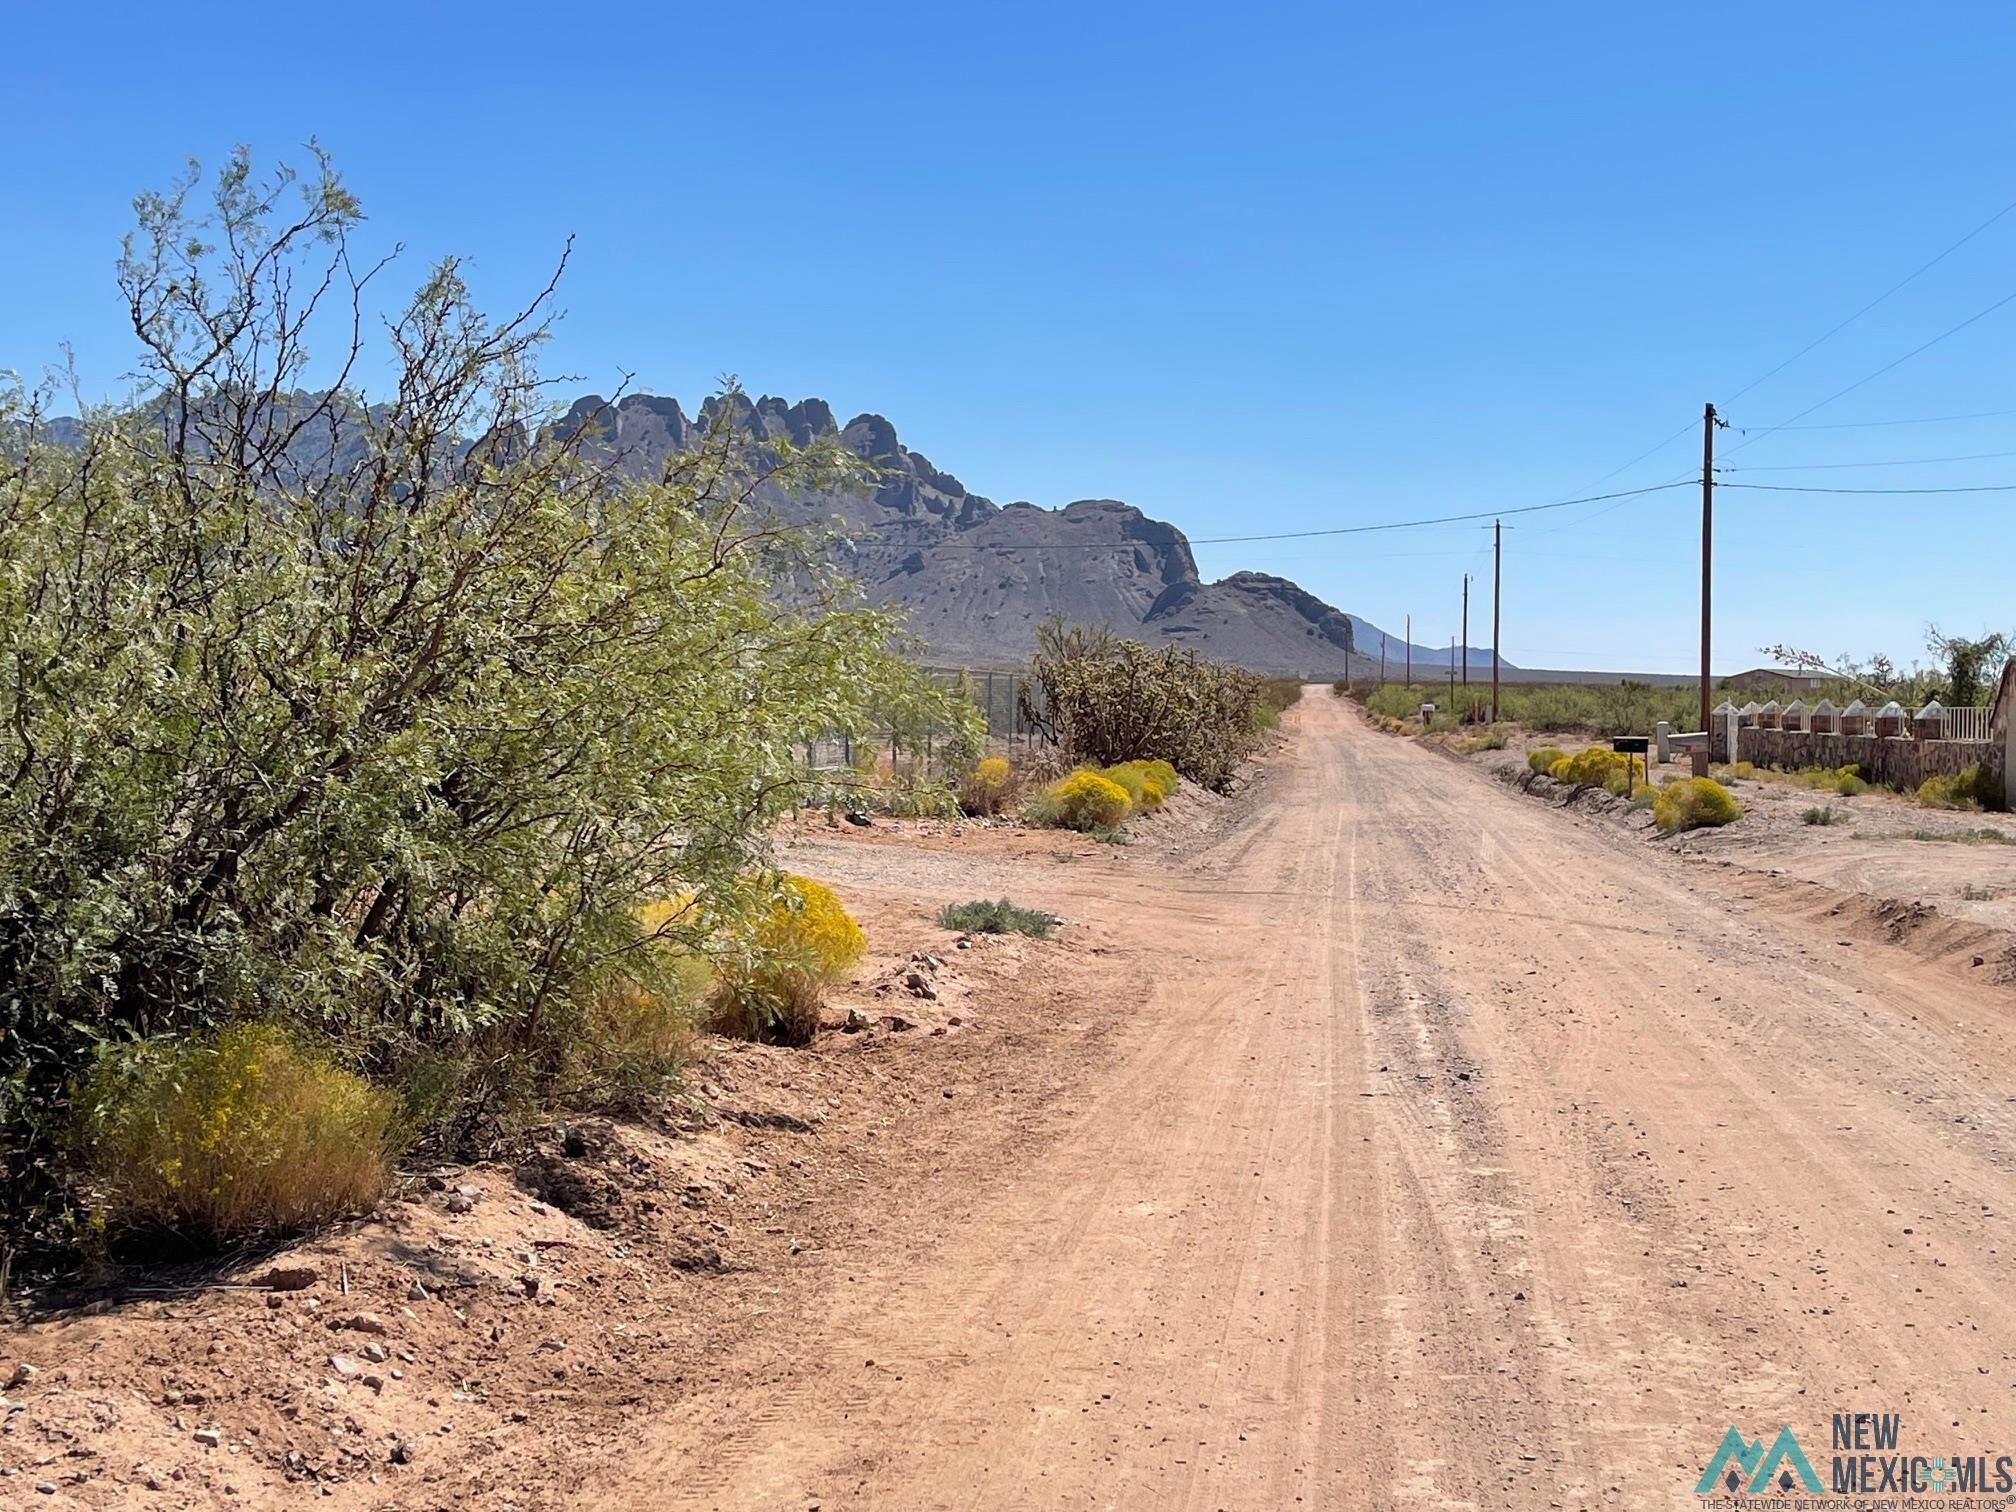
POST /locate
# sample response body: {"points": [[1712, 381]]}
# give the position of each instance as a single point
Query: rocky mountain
{"points": [[976, 578]]}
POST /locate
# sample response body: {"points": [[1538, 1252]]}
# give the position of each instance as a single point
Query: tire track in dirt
{"points": [[1465, 1155]]}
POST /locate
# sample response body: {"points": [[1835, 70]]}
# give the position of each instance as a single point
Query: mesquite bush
{"points": [[376, 715]]}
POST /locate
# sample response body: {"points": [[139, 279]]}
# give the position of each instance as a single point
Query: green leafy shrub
{"points": [[1602, 709], [1082, 800], [1493, 739], [1822, 816], [381, 715], [988, 788], [242, 1131], [1542, 760], [1974, 787], [1000, 917], [776, 958], [1276, 696], [1693, 803]]}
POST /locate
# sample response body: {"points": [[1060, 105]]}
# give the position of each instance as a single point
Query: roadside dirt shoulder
{"points": [[499, 1329]]}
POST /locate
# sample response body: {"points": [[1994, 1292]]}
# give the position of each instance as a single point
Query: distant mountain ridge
{"points": [[976, 578]]}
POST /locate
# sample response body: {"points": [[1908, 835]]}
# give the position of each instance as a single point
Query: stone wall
{"points": [[1890, 762]]}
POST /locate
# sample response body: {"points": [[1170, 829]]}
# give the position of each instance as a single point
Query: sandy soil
{"points": [[1466, 1154], [1401, 1142], [1880, 843]]}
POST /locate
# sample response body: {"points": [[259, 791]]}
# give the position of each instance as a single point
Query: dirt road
{"points": [[1467, 1155]]}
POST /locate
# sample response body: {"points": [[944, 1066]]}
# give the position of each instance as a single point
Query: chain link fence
{"points": [[998, 696]]}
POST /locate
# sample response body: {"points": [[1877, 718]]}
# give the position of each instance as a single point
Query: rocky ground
{"points": [[495, 1323]]}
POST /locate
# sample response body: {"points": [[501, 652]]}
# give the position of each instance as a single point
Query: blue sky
{"points": [[1268, 268]]}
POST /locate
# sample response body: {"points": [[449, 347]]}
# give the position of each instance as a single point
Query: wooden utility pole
{"points": [[1497, 578], [1452, 671], [1409, 643], [1708, 424], [1466, 629]]}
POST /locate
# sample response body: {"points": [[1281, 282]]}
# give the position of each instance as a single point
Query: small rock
{"points": [[896, 1023], [457, 1203], [363, 1322], [288, 1278], [375, 1353], [416, 1293], [919, 984], [856, 1022], [402, 1452], [209, 1438], [345, 1367], [47, 1488], [22, 1375], [962, 944]]}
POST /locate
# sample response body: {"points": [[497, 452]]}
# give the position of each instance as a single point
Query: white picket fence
{"points": [[1967, 724]]}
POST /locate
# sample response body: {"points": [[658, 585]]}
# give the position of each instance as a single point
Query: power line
{"points": [[1922, 420], [1898, 462], [1901, 283], [1287, 535], [1828, 335], [1894, 362], [1797, 488]]}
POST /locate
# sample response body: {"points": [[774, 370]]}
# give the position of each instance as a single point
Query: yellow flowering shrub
{"points": [[1083, 800], [1595, 767], [986, 789], [778, 959], [247, 1130], [1693, 803], [1144, 782]]}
